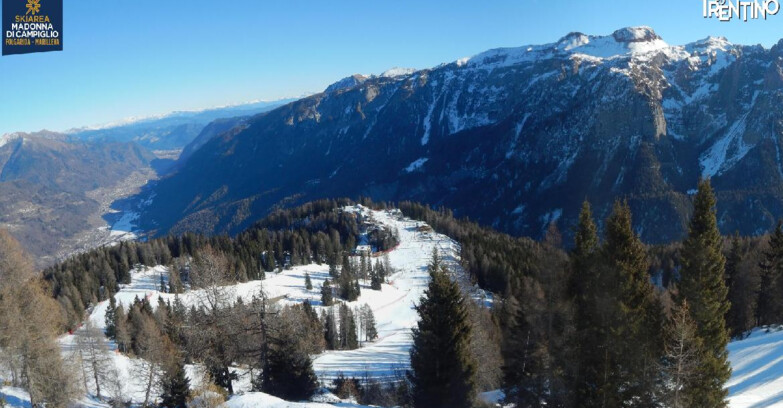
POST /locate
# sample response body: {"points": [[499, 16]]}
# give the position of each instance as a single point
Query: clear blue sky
{"points": [[127, 58]]}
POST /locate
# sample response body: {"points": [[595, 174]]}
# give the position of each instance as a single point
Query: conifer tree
{"points": [[588, 290], [702, 284], [326, 293], [308, 282], [375, 281], [176, 387], [770, 301], [442, 367], [523, 371], [743, 291], [109, 319], [636, 334], [368, 322], [331, 335], [349, 340], [290, 372]]}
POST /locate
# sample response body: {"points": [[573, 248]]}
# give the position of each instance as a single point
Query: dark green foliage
{"points": [[326, 293], [308, 282], [770, 301], [349, 340], [637, 331], [743, 286], [537, 328], [375, 280], [492, 258], [110, 319], [331, 335], [176, 387], [702, 284], [290, 371], [368, 323], [348, 281], [588, 284], [312, 232], [442, 368]]}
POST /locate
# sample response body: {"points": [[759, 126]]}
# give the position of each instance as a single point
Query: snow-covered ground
{"points": [[385, 358], [757, 362]]}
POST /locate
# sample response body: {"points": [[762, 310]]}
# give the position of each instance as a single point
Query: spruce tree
{"points": [[331, 335], [348, 337], [308, 282], [442, 367], [326, 293], [290, 373], [375, 280], [702, 284], [743, 291], [588, 289], [370, 332], [637, 332], [523, 369], [110, 317], [176, 387], [770, 301]]}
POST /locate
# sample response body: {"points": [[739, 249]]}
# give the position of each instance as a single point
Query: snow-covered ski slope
{"points": [[757, 364], [385, 358], [394, 305]]}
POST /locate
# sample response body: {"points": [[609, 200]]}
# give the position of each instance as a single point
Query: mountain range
{"points": [[515, 138], [58, 191]]}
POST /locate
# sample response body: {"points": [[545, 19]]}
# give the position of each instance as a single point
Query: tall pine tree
{"points": [[743, 291], [636, 334], [702, 284], [442, 367], [589, 293], [770, 301], [176, 387]]}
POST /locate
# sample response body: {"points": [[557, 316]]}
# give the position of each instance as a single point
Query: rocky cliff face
{"points": [[515, 138]]}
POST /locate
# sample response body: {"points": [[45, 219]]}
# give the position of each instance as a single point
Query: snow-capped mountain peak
{"points": [[621, 43], [397, 72]]}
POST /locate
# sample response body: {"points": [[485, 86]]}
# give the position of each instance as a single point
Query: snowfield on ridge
{"points": [[385, 358], [757, 361]]}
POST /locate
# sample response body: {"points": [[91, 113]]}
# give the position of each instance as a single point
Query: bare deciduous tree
{"points": [[681, 353], [156, 352], [94, 356], [210, 274], [29, 323]]}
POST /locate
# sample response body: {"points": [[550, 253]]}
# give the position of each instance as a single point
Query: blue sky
{"points": [[126, 58]]}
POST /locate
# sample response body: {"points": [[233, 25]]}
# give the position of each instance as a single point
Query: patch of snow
{"points": [[259, 399], [727, 151], [384, 358], [757, 369], [8, 137], [416, 165], [123, 229], [551, 217], [397, 72]]}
